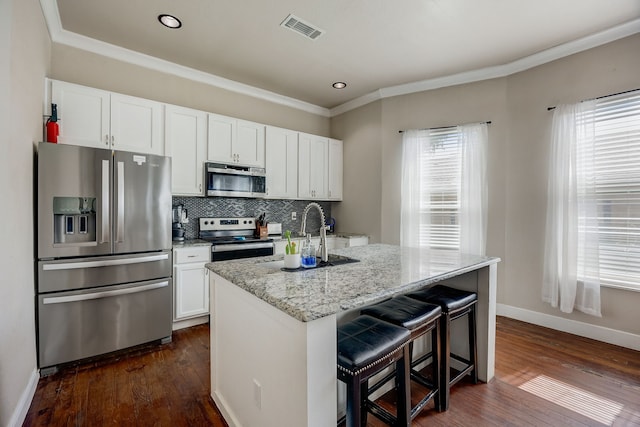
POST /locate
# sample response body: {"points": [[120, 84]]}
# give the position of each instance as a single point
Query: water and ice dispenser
{"points": [[74, 220]]}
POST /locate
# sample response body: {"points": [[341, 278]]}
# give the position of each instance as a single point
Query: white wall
{"points": [[25, 49]]}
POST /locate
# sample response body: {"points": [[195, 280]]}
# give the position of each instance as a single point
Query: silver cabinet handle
{"points": [[104, 225], [104, 263], [120, 217], [106, 139], [104, 294]]}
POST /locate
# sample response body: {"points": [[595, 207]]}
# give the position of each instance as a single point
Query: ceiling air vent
{"points": [[301, 27]]}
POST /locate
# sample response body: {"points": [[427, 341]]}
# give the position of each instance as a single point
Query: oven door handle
{"points": [[240, 247], [103, 294]]}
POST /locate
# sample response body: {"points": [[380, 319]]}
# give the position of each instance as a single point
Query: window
{"points": [[440, 164], [616, 177], [443, 188], [593, 209]]}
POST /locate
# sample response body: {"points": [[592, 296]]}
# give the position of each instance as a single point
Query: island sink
{"points": [[331, 261]]}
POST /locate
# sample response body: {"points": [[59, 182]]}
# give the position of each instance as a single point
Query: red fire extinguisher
{"points": [[52, 125]]}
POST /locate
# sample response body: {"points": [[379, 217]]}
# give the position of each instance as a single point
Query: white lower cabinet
{"points": [[191, 284]]}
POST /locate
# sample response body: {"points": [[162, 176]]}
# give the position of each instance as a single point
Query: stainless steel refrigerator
{"points": [[104, 252]]}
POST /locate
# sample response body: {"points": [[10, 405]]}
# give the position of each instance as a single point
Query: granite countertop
{"points": [[190, 242], [383, 271]]}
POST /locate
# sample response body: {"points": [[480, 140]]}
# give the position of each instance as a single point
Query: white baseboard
{"points": [[21, 409], [587, 330], [181, 324]]}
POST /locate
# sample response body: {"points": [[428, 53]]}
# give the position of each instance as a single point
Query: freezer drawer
{"points": [[90, 272], [80, 324]]}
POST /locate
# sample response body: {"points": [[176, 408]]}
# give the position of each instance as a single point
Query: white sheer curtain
{"points": [[410, 209], [416, 190], [473, 189], [571, 268]]}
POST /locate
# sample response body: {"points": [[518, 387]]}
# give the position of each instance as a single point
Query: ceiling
{"points": [[372, 45]]}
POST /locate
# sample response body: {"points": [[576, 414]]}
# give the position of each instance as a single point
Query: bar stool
{"points": [[455, 303], [419, 318], [366, 346]]}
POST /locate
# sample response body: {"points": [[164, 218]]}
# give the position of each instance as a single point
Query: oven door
{"points": [[223, 252]]}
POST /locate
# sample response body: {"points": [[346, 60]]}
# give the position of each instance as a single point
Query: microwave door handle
{"points": [[120, 213], [104, 224]]}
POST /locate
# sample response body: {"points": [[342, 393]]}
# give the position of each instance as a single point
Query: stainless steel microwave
{"points": [[235, 181]]}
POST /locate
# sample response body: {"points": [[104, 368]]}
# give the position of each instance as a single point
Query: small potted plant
{"points": [[291, 253]]}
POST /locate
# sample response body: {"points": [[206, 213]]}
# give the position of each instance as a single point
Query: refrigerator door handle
{"points": [[104, 263], [103, 294], [105, 235], [120, 214]]}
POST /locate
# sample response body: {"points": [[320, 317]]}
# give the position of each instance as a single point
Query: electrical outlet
{"points": [[293, 216], [257, 394]]}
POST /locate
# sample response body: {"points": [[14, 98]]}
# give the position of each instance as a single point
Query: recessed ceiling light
{"points": [[339, 85], [170, 21]]}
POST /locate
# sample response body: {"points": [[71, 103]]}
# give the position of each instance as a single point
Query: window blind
{"points": [[616, 173], [440, 166]]}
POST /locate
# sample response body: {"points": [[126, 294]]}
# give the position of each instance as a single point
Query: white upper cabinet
{"points": [[235, 141], [136, 124], [83, 114], [281, 163], [186, 144], [250, 143], [313, 156], [97, 118], [335, 169]]}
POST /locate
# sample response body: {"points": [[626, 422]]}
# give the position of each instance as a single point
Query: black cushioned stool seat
{"points": [[419, 318], [455, 303], [366, 346]]}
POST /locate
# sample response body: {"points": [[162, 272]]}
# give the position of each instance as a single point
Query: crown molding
{"points": [[543, 57], [62, 36]]}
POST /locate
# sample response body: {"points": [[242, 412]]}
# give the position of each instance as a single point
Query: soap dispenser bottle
{"points": [[308, 253]]}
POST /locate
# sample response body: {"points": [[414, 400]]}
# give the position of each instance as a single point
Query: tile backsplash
{"points": [[276, 211]]}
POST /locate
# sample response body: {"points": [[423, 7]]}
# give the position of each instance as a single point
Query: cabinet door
{"points": [[83, 114], [186, 144], [304, 165], [136, 124], [335, 169], [221, 134], [318, 167], [249, 144], [192, 290], [281, 163]]}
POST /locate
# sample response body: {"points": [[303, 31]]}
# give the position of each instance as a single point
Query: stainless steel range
{"points": [[233, 238]]}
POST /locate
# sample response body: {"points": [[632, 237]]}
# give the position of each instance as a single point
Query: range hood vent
{"points": [[306, 29]]}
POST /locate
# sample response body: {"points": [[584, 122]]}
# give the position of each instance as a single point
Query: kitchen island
{"points": [[273, 332]]}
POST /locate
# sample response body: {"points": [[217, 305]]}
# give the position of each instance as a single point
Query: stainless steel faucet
{"points": [[324, 254]]}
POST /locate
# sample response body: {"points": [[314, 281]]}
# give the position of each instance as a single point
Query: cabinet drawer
{"points": [[193, 254]]}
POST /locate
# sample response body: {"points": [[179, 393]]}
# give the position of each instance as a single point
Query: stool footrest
{"points": [[416, 409], [381, 413]]}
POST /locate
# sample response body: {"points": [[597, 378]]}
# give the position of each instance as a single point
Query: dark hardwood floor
{"points": [[543, 378]]}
